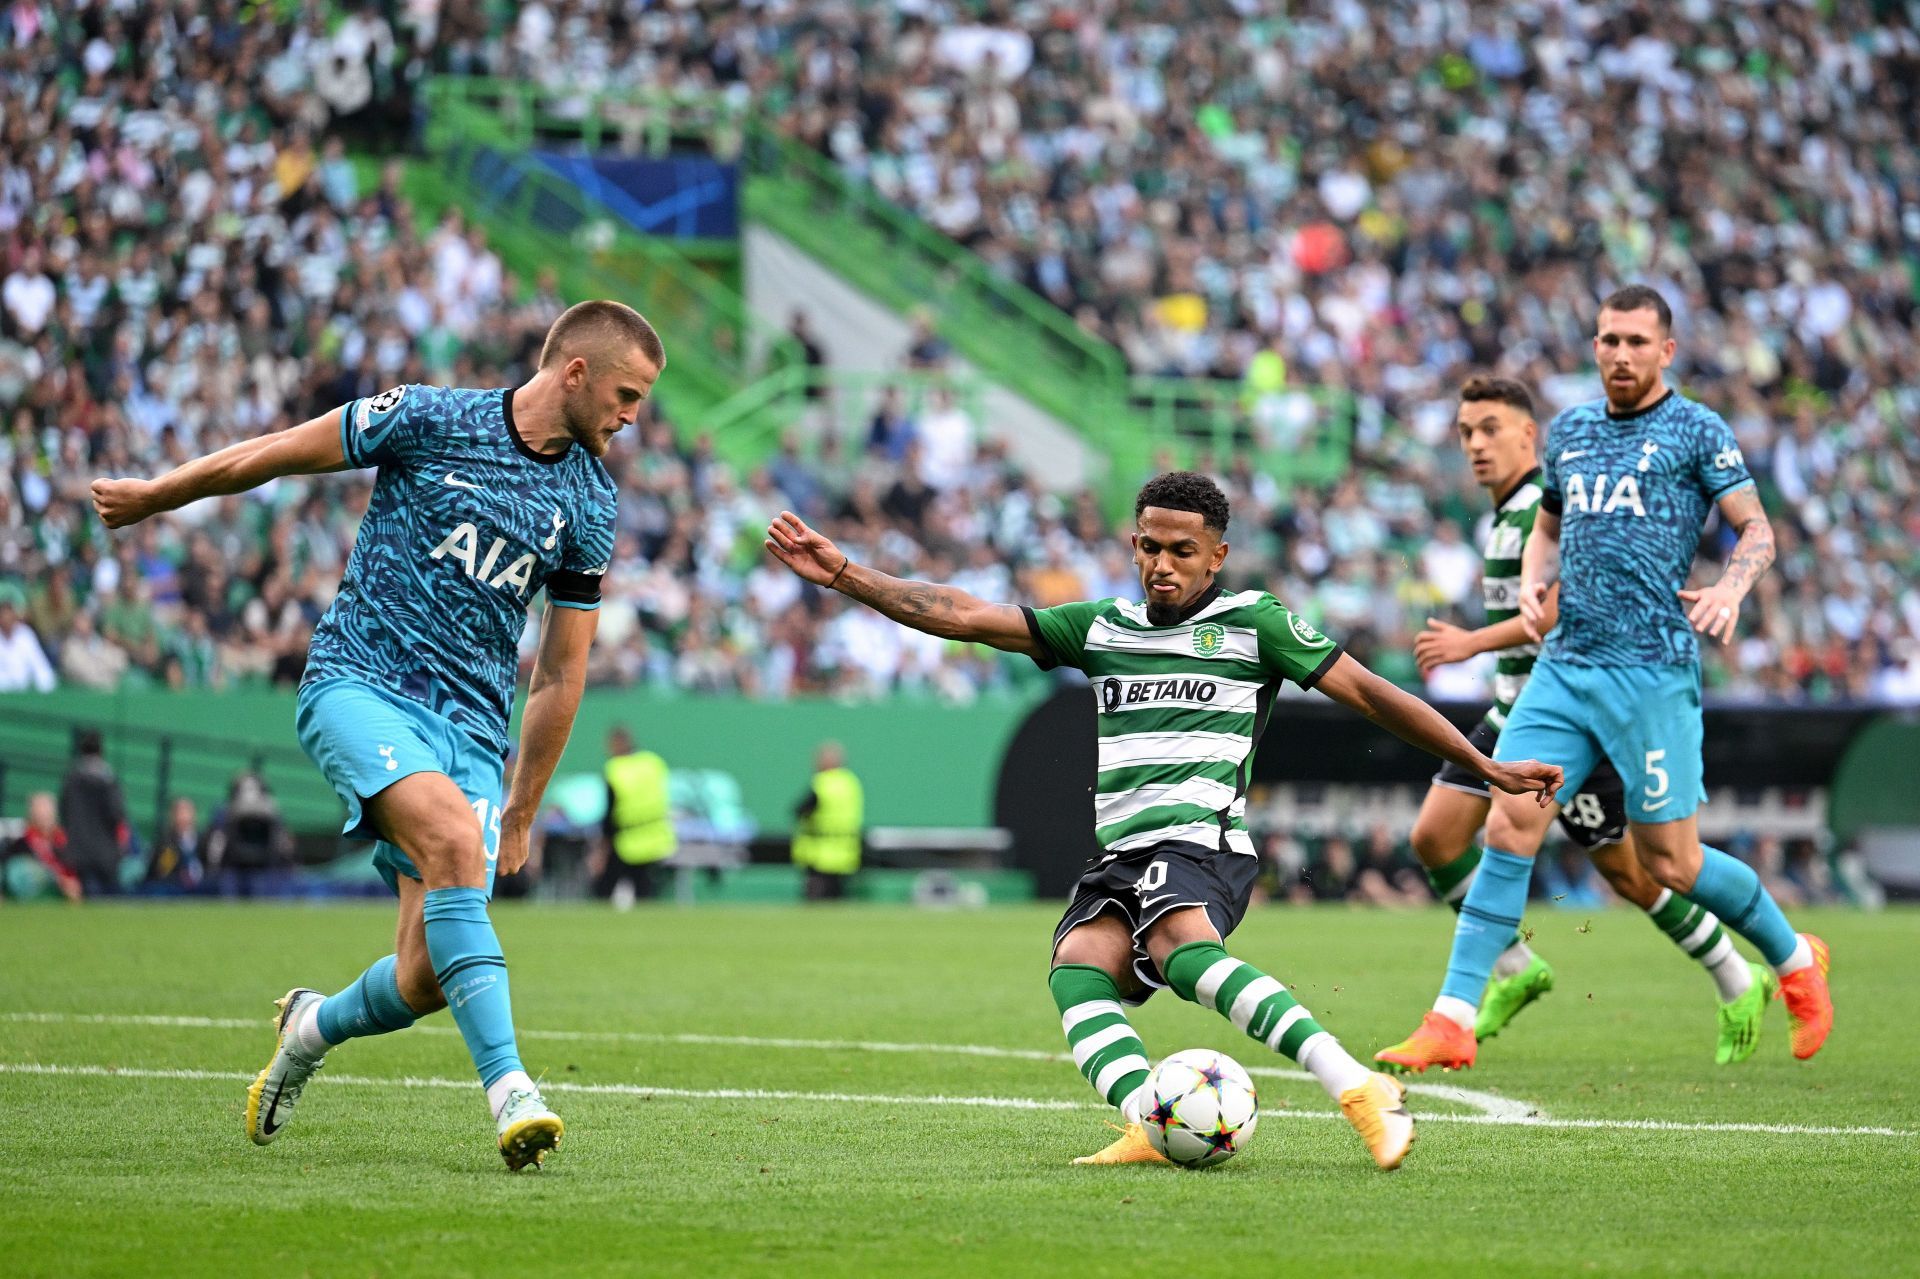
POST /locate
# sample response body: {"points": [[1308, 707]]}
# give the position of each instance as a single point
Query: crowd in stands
{"points": [[1374, 198]]}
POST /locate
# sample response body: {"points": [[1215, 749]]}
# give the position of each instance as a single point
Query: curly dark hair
{"points": [[1185, 491]]}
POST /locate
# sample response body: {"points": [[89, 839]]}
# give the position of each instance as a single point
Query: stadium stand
{"points": [[1373, 198]]}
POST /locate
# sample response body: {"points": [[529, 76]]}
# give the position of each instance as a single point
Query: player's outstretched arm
{"points": [[1716, 608], [553, 696], [312, 448], [1539, 574], [1412, 720], [925, 606]]}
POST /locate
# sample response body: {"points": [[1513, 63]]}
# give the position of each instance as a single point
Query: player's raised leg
{"points": [[1676, 859], [1184, 945], [1092, 970], [1744, 988], [1443, 839]]}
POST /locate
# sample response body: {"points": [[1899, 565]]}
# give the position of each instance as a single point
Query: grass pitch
{"points": [[814, 1092]]}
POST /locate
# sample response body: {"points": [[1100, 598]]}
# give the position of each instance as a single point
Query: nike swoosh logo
{"points": [[267, 1126], [1151, 902], [459, 483], [1654, 808], [1571, 454]]}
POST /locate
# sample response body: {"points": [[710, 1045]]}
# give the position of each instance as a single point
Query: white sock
{"points": [[1802, 957], [1513, 960], [1456, 1010], [306, 1032], [1729, 970], [1130, 1108], [1331, 1064], [497, 1091]]}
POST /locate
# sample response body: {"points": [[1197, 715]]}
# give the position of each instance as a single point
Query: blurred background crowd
{"points": [[1373, 198]]}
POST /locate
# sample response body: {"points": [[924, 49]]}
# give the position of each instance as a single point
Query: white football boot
{"points": [[276, 1089], [528, 1130]]}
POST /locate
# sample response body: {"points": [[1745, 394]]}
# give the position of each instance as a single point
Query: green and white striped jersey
{"points": [[1181, 708], [1500, 590]]}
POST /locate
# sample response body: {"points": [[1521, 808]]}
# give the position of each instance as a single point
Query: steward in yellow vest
{"points": [[828, 822], [639, 823]]}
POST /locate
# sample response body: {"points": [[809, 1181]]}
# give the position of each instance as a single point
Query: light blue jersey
{"points": [[1632, 493], [466, 524]]}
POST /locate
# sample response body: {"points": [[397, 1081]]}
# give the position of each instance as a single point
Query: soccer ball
{"points": [[1200, 1108]]}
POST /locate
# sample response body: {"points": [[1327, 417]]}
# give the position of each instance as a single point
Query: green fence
{"points": [[924, 763]]}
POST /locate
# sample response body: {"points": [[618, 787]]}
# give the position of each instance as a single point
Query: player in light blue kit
{"points": [[1628, 481], [483, 499]]}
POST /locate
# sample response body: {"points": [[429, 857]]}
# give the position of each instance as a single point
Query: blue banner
{"points": [[692, 198]]}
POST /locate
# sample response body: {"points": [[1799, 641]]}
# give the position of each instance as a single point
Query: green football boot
{"points": [[1506, 996], [1740, 1018]]}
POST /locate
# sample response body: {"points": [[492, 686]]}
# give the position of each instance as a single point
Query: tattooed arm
{"points": [[938, 610], [1716, 608]]}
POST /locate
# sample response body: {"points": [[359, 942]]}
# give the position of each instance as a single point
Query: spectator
{"points": [[178, 864], [889, 430], [1330, 876], [249, 849], [35, 861], [23, 663], [1384, 878], [94, 817], [90, 660], [945, 438]]}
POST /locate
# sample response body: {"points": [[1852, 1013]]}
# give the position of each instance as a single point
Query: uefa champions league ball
{"points": [[1200, 1108]]}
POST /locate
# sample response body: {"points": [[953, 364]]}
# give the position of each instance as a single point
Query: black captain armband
{"points": [[566, 586]]}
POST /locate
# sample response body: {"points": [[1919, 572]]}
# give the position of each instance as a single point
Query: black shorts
{"points": [[1594, 818], [1142, 886]]}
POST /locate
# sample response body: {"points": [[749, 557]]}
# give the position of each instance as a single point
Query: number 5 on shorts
{"points": [[1657, 780]]}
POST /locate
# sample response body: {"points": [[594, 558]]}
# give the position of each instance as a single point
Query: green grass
{"points": [[118, 1175]]}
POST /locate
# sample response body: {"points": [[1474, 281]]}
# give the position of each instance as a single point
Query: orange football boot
{"points": [[1440, 1041], [1809, 1001]]}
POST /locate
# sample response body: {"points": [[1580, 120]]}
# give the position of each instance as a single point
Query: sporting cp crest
{"points": [[1208, 639]]}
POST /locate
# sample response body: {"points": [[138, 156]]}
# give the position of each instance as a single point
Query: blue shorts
{"points": [[365, 739], [1645, 719]]}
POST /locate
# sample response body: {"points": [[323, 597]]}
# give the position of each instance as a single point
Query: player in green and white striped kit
{"points": [[1184, 684], [1498, 433]]}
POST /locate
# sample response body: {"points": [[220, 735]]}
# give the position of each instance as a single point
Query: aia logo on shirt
{"points": [[463, 546]]}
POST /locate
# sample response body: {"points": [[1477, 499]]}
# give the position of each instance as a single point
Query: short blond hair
{"points": [[586, 327]]}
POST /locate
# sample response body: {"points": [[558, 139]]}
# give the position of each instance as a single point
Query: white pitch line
{"points": [[1490, 1104], [909, 1099]]}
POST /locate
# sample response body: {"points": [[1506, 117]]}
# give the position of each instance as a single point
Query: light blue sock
{"points": [[371, 1006], [1488, 918], [1730, 889], [473, 976]]}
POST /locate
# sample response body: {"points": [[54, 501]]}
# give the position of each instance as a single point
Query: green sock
{"points": [[1696, 930], [1450, 884], [1101, 1039]]}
